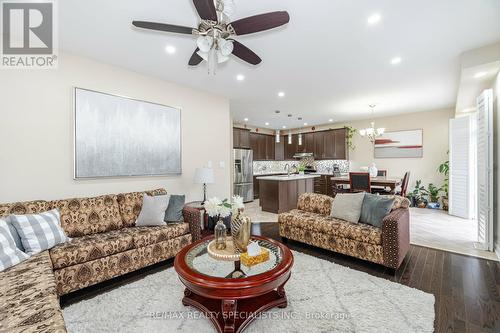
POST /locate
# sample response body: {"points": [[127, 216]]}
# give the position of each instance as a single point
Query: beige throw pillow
{"points": [[347, 206]]}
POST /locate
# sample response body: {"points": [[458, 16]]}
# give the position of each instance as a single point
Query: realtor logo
{"points": [[28, 34]]}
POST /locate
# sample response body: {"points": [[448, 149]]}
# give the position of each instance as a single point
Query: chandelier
{"points": [[371, 132]]}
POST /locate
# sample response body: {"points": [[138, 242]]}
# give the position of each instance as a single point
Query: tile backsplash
{"points": [[322, 166]]}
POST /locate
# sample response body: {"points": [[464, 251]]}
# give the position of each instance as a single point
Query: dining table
{"points": [[379, 181]]}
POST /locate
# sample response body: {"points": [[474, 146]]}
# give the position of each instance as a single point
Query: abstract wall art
{"points": [[400, 144], [116, 136]]}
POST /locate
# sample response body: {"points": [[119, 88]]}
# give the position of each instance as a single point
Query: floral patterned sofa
{"points": [[105, 244], [311, 224]]}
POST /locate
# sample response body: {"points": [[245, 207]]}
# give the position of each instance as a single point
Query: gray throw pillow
{"points": [[153, 210], [10, 255], [174, 210], [347, 206], [39, 232], [375, 208]]}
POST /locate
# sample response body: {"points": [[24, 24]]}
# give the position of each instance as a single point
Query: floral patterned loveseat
{"points": [[105, 244], [311, 224]]}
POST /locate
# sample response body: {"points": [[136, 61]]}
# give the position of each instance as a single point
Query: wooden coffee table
{"points": [[232, 303]]}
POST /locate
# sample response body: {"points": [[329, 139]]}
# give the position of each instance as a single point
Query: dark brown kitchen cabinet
{"points": [[263, 147], [319, 145], [341, 150], [255, 187], [241, 138], [308, 142], [329, 145], [279, 149], [290, 146], [323, 185]]}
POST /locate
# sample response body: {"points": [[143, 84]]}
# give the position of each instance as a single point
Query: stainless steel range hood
{"points": [[302, 155]]}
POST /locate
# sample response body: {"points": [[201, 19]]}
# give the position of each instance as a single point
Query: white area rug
{"points": [[322, 297]]}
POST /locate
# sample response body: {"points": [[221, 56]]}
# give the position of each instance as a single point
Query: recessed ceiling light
{"points": [[479, 75], [170, 49], [374, 19], [240, 77], [246, 119], [267, 124], [396, 60], [281, 94], [330, 120], [305, 124], [284, 126], [277, 111]]}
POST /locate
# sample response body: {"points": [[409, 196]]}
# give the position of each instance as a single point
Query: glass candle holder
{"points": [[220, 235]]}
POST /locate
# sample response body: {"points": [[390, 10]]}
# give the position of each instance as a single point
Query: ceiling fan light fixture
{"points": [[205, 43], [225, 46]]}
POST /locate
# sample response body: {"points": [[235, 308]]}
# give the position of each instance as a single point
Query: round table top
{"points": [[197, 270]]}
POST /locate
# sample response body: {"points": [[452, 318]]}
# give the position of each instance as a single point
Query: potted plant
{"points": [[350, 131], [416, 196], [444, 168], [432, 194], [301, 169]]}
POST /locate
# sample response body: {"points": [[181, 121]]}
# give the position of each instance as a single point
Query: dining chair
{"points": [[359, 182], [404, 184], [382, 173]]}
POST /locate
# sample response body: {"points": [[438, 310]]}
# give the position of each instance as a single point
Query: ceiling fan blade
{"points": [[163, 27], [195, 59], [244, 53], [206, 9], [260, 22]]}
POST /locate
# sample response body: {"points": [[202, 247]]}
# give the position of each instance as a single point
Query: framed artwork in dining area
{"points": [[400, 144]]}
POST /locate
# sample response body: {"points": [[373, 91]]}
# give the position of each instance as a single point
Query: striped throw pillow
{"points": [[10, 255], [39, 232]]}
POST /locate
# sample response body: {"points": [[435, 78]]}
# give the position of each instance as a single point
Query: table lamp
{"points": [[204, 176]]}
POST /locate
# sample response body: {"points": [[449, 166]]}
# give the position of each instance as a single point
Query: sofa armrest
{"points": [[192, 216], [396, 237]]}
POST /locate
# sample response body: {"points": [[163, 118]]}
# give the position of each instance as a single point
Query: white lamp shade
{"points": [[204, 176]]}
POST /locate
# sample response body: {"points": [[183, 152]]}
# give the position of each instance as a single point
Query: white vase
{"points": [[373, 170]]}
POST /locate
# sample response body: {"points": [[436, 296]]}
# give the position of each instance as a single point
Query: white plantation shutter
{"points": [[485, 170], [460, 175]]}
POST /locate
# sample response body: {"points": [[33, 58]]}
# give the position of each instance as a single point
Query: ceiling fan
{"points": [[216, 32]]}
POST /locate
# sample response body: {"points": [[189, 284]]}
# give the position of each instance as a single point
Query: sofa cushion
{"points": [[91, 247], [22, 208], [347, 206], [29, 298], [144, 236], [325, 224], [130, 205], [87, 216], [375, 208], [315, 203]]}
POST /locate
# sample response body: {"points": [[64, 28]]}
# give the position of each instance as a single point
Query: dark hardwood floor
{"points": [[466, 289]]}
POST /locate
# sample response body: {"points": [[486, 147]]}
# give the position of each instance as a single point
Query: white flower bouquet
{"points": [[217, 208]]}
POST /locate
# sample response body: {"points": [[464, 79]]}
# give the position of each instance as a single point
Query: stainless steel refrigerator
{"points": [[243, 174]]}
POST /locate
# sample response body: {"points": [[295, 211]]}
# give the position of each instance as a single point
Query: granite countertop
{"points": [[285, 178], [268, 173]]}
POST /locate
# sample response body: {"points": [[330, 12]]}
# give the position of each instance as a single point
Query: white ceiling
{"points": [[328, 60]]}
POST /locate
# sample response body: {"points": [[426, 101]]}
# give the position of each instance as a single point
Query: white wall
{"points": [[435, 130], [36, 114]]}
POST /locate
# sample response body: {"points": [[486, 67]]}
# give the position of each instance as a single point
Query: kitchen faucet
{"points": [[287, 169]]}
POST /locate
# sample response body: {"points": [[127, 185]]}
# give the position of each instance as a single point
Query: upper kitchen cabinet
{"points": [[241, 138], [263, 147], [330, 145]]}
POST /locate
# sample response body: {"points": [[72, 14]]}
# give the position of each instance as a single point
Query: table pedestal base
{"points": [[234, 315]]}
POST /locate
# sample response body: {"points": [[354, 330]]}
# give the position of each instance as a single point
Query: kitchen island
{"points": [[278, 194]]}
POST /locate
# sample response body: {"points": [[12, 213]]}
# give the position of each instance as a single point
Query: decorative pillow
{"points": [[174, 210], [347, 206], [10, 255], [375, 208], [130, 205], [39, 232], [152, 211], [399, 201]]}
